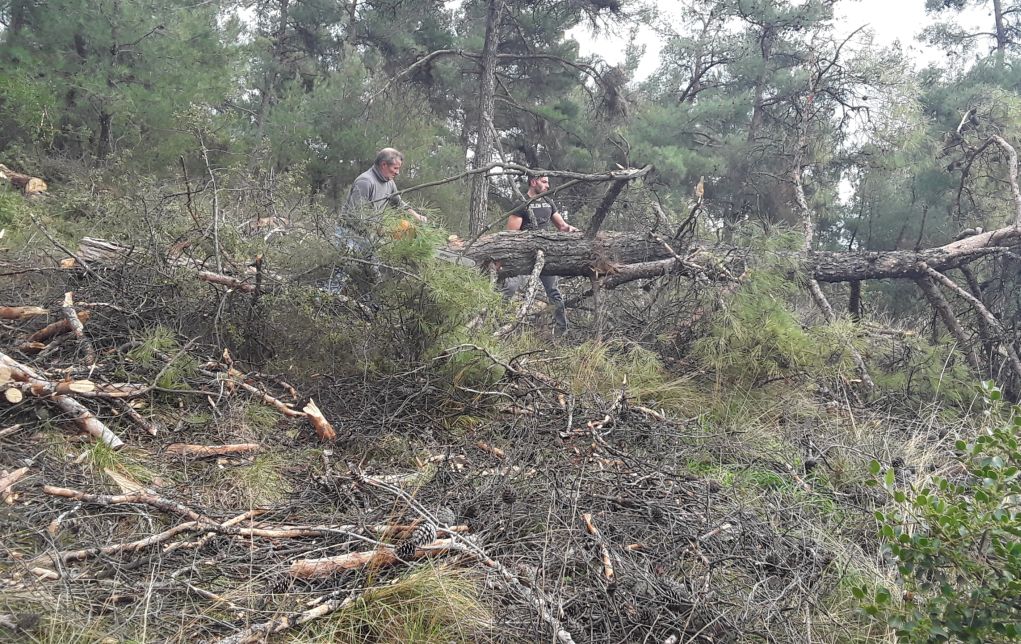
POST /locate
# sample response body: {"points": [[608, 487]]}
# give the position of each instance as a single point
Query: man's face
{"points": [[540, 184], [390, 170]]}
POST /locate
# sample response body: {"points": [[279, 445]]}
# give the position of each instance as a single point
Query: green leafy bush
{"points": [[956, 544]]}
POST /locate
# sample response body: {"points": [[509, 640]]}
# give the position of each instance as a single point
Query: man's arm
{"points": [[514, 221], [562, 225], [421, 218]]}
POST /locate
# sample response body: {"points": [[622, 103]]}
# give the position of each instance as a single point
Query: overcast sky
{"points": [[890, 20]]}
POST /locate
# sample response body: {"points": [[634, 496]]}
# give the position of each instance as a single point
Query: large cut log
{"points": [[28, 184], [568, 254], [637, 256]]}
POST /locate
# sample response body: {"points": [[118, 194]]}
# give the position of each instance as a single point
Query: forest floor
{"points": [[561, 501]]}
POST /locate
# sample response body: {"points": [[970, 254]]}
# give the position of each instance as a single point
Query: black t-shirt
{"points": [[537, 215]]}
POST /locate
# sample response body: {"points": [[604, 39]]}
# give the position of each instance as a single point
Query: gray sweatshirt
{"points": [[371, 188]]}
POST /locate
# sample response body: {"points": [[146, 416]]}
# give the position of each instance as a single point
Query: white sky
{"points": [[890, 20]]}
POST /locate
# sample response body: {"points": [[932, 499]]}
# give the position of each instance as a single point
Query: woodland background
{"points": [[752, 432]]}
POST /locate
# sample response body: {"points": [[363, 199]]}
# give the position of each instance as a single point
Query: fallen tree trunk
{"points": [[27, 183], [625, 257], [635, 256]]}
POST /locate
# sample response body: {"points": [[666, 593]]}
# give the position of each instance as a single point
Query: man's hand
{"points": [[420, 218], [563, 226]]}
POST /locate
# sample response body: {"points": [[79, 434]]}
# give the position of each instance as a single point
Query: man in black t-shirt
{"points": [[538, 215]]}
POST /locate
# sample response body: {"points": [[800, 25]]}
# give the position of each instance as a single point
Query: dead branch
{"points": [[530, 291], [494, 451], [322, 607], [146, 424], [1015, 191], [604, 552], [75, 324], [226, 280], [84, 418], [612, 192], [980, 308], [7, 481], [533, 596], [21, 312], [324, 430], [7, 431], [57, 328], [206, 451], [946, 314], [831, 317], [315, 568], [142, 498]]}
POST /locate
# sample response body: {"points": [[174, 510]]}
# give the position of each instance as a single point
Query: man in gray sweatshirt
{"points": [[372, 192], [375, 189]]}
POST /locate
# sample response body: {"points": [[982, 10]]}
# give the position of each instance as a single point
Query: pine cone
{"points": [[508, 495], [656, 513], [424, 534], [674, 592], [444, 516]]}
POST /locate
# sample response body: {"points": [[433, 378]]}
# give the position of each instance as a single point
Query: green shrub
{"points": [[956, 544]]}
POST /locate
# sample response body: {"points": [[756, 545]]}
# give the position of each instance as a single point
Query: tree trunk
{"points": [[854, 301], [103, 145], [611, 253], [270, 78], [1001, 33], [485, 129]]}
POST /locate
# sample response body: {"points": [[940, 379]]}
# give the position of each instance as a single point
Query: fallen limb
{"points": [[21, 312], [7, 431], [530, 291], [84, 418], [226, 280], [143, 498], [384, 556], [324, 430], [258, 632], [1012, 357], [75, 324], [206, 451], [7, 482], [604, 552], [56, 328], [146, 424]]}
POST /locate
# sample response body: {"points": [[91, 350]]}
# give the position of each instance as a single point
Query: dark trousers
{"points": [[551, 284]]}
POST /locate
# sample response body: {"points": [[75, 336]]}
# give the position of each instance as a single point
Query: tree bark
{"points": [[1001, 33], [484, 129], [641, 256]]}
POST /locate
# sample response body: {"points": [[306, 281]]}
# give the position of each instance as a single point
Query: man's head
{"points": [[537, 185], [389, 162]]}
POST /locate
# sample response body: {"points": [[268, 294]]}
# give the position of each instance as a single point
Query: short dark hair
{"points": [[388, 155]]}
